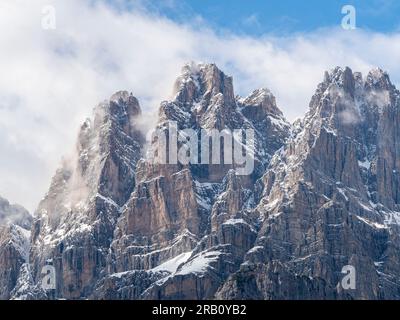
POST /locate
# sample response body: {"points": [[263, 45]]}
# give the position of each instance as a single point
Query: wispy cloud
{"points": [[51, 79], [251, 21]]}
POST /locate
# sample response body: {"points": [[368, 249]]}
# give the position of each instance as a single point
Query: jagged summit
{"points": [[339, 75], [122, 106], [377, 79], [377, 73], [204, 97], [86, 195], [15, 225], [260, 103], [14, 214], [202, 87], [345, 78], [123, 95], [345, 98]]}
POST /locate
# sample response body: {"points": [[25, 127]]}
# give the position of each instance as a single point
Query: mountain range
{"points": [[323, 198]]}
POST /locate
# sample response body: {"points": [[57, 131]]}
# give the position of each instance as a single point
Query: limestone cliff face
{"points": [[324, 194], [75, 221], [329, 198], [195, 213], [14, 214]]}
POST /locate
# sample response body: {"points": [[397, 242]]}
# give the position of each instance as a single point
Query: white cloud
{"points": [[51, 79]]}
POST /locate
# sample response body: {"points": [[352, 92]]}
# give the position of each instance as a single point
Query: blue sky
{"points": [[258, 17]]}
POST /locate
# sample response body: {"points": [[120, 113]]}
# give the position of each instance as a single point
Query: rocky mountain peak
{"points": [[86, 195], [201, 81], [345, 100], [122, 101], [259, 104], [120, 110], [14, 214], [334, 105], [104, 142], [343, 77], [378, 79]]}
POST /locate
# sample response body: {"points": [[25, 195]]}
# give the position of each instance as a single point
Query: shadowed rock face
{"points": [[15, 222], [324, 194]]}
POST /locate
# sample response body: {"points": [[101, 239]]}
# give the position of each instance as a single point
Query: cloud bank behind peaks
{"points": [[51, 79]]}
